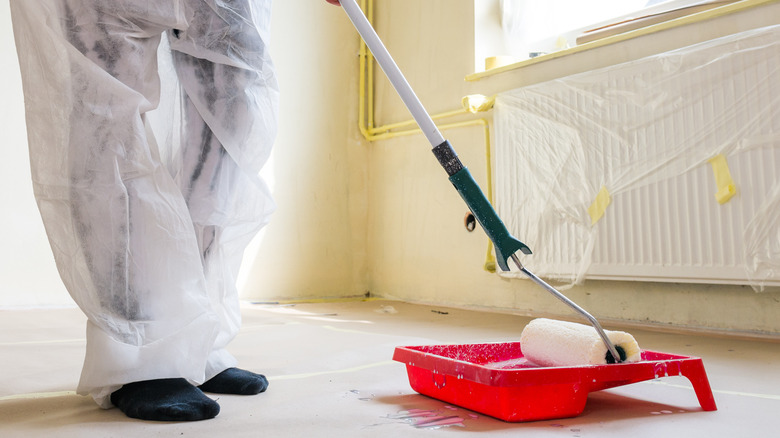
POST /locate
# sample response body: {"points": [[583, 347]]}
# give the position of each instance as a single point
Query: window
{"points": [[532, 27]]}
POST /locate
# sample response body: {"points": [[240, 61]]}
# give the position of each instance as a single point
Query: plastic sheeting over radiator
{"points": [[664, 168]]}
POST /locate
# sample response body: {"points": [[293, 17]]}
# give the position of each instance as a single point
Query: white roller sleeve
{"points": [[551, 343]]}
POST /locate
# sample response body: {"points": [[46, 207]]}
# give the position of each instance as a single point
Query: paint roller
{"points": [[551, 343], [505, 245]]}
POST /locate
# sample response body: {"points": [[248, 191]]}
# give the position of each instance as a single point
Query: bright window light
{"points": [[522, 29]]}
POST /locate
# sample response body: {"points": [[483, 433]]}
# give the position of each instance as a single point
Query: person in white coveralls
{"points": [[147, 232]]}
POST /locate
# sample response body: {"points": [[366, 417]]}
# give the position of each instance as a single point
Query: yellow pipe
{"points": [[391, 126], [361, 91], [490, 259], [387, 135], [384, 132], [370, 59], [366, 94]]}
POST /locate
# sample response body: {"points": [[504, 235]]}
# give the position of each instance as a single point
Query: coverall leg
{"points": [[148, 249]]}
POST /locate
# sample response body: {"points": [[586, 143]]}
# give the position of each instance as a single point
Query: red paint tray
{"points": [[495, 379]]}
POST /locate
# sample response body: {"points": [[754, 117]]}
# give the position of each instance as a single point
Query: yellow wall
{"points": [[315, 245], [418, 247], [382, 217]]}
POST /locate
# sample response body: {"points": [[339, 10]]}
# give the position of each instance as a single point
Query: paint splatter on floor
{"points": [[425, 419], [661, 412], [447, 416]]}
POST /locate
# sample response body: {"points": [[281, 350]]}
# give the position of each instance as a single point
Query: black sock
{"points": [[236, 381], [164, 400]]}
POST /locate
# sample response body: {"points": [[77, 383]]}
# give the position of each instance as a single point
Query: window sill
{"points": [[608, 43]]}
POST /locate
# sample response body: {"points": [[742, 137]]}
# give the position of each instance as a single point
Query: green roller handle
{"points": [[505, 244]]}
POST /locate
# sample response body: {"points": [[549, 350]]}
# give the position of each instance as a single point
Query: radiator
{"points": [[661, 169]]}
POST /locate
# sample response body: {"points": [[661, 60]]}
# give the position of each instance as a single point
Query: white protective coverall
{"points": [[148, 239]]}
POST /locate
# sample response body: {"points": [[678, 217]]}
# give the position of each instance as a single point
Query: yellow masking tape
{"points": [[599, 205], [726, 186], [475, 103]]}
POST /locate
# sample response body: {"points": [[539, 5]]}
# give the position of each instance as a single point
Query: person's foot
{"points": [[236, 381], [164, 400]]}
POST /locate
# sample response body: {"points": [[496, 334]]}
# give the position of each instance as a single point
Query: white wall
{"points": [[315, 245], [27, 272]]}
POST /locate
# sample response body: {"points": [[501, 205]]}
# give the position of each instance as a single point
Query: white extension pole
{"points": [[392, 72], [425, 122]]}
